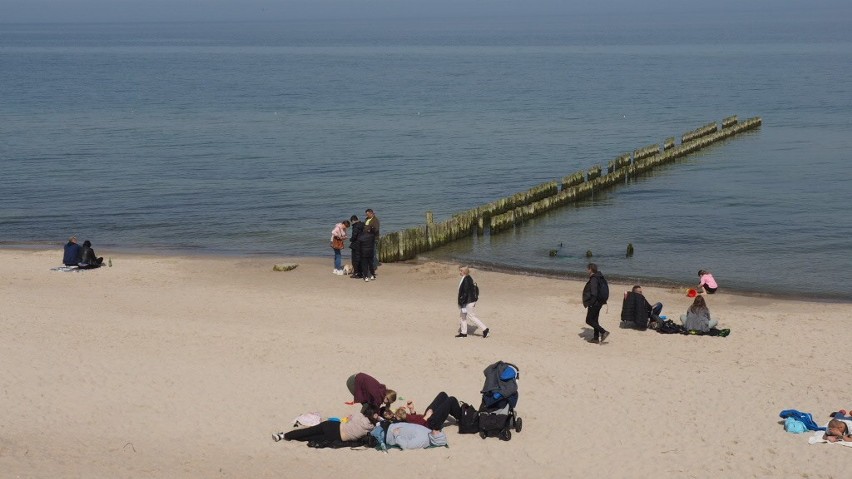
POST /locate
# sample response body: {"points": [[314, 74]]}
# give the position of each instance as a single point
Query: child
{"points": [[837, 431], [706, 282]]}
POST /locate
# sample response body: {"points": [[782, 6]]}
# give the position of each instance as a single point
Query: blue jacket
{"points": [[72, 255]]}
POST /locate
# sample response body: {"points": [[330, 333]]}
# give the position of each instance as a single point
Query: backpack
{"points": [[475, 292], [469, 420], [603, 290]]}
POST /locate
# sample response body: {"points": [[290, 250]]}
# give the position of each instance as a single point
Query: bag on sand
{"points": [[469, 422]]}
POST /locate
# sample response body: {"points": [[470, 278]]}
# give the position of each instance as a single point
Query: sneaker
{"points": [[604, 335], [485, 333], [461, 335], [366, 280], [373, 278], [278, 436]]}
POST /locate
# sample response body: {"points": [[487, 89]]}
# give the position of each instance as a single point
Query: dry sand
{"points": [[183, 367]]}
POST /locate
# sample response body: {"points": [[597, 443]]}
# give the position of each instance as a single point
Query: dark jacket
{"points": [[590, 291], [72, 254], [467, 292], [636, 309], [357, 228], [367, 241], [89, 257]]}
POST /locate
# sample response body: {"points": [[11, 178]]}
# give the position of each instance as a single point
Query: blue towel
{"points": [[804, 417]]}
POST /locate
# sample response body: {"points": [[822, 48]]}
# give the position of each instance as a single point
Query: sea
{"points": [[252, 139]]}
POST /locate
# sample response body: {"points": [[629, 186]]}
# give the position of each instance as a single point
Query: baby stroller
{"points": [[497, 416]]}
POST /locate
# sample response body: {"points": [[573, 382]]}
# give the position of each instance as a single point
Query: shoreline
{"points": [[674, 286]]}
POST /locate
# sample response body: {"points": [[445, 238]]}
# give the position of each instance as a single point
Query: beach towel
{"points": [[66, 269], [816, 438]]}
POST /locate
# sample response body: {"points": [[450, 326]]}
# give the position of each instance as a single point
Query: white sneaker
{"points": [[367, 280], [338, 272], [278, 436], [372, 278]]}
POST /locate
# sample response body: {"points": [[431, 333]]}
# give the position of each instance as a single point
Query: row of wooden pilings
{"points": [[506, 213]]}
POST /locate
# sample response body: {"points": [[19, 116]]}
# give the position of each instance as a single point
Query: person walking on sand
{"points": [[595, 295], [468, 296], [338, 235]]}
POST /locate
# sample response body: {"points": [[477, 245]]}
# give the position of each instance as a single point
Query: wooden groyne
{"points": [[506, 213]]}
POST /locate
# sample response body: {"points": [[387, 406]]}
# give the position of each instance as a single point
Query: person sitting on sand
{"points": [[637, 310], [436, 414], [706, 282], [837, 431], [697, 317], [72, 253], [367, 390], [359, 425], [89, 260]]}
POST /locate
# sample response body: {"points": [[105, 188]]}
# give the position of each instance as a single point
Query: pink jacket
{"points": [[339, 232]]}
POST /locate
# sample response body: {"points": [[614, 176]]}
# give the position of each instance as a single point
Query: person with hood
{"points": [[367, 246], [595, 295], [357, 228], [89, 260], [72, 253]]}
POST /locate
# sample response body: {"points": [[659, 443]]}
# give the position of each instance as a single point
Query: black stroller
{"points": [[497, 416]]}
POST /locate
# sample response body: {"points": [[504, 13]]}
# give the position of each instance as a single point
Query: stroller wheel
{"points": [[482, 434], [518, 424], [506, 435]]}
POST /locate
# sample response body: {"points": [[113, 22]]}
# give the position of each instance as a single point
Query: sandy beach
{"points": [[184, 366]]}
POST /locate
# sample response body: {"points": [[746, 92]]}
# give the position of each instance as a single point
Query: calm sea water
{"points": [[239, 138]]}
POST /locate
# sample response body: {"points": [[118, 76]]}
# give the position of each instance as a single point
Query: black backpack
{"points": [[603, 290], [475, 292], [469, 420]]}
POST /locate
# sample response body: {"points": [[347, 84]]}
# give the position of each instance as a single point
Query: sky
{"points": [[83, 11]]}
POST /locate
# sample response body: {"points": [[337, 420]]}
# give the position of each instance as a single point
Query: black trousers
{"points": [[326, 430], [592, 319], [356, 260], [442, 407]]}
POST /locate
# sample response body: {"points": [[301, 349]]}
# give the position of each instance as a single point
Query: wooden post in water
{"points": [[505, 213]]}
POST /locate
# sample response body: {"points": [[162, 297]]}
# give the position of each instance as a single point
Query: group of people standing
{"points": [[639, 311], [402, 426], [83, 257], [363, 243]]}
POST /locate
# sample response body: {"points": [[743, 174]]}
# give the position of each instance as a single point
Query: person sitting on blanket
{"points": [[697, 317], [90, 261], [358, 426], [837, 431], [72, 253], [406, 435], [637, 310]]}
